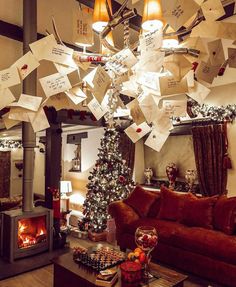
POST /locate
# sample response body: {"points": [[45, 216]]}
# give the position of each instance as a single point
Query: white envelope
{"points": [[156, 139], [199, 92], [122, 61], [206, 72], [170, 86], [39, 47], [212, 9], [177, 12], [59, 102], [150, 62], [26, 65], [136, 112], [96, 109], [6, 97], [130, 88], [54, 84], [28, 102], [162, 120], [19, 114], [190, 79], [9, 77], [8, 122], [149, 107], [149, 79], [65, 70], [39, 120], [76, 95], [136, 132], [150, 41], [59, 54], [175, 108]]}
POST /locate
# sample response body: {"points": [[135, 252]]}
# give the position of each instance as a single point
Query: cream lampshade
{"points": [[65, 189], [110, 40], [100, 15], [152, 15]]}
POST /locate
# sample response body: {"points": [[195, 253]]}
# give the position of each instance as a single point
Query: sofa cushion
{"points": [[141, 200], [198, 211], [210, 243], [224, 214], [155, 207], [171, 204]]}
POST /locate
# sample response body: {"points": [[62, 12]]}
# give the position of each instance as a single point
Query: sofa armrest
{"points": [[122, 213]]}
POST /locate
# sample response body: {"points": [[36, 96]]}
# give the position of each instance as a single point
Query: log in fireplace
{"points": [[26, 233]]}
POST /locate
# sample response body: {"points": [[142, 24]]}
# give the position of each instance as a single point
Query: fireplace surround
{"points": [[26, 233]]}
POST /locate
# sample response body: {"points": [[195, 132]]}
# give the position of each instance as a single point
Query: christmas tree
{"points": [[110, 180]]}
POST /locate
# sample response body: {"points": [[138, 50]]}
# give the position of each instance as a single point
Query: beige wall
{"points": [[89, 151], [179, 149]]}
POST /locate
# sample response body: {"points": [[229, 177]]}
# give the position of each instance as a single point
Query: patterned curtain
{"points": [[210, 151], [5, 173], [127, 149]]}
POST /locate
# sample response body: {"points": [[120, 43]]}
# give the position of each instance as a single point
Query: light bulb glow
{"points": [[99, 26]]}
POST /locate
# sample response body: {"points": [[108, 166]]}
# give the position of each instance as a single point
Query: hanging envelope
{"points": [[136, 132], [206, 72], [232, 57], [55, 84], [39, 120], [175, 108], [6, 98], [150, 41], [59, 102], [178, 65], [217, 29], [197, 44], [76, 95], [82, 26], [9, 77], [149, 79], [122, 61], [130, 88], [136, 112], [162, 120], [28, 102], [96, 109], [199, 92], [39, 47], [26, 65], [212, 10], [177, 12], [19, 114], [65, 70], [9, 123], [190, 79], [149, 107], [156, 139], [216, 52], [60, 54], [170, 86], [150, 62]]}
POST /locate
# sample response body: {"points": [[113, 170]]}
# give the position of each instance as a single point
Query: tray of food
{"points": [[99, 257]]}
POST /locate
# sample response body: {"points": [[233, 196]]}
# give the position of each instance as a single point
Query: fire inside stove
{"points": [[31, 231]]}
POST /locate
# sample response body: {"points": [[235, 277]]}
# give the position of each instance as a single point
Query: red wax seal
{"points": [[138, 130], [194, 64], [24, 67]]}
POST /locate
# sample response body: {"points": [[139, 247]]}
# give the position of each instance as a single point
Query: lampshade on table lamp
{"points": [[65, 189], [152, 15], [100, 15]]}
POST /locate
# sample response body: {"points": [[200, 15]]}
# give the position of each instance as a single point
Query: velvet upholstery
{"points": [[141, 200], [198, 211], [224, 214], [171, 204], [208, 253]]}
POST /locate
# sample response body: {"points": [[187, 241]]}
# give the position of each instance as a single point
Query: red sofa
{"points": [[197, 235]]}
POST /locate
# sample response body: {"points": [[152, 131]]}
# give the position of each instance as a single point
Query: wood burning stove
{"points": [[26, 233]]}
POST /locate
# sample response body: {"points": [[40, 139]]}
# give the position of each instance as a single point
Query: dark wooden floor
{"points": [[43, 277]]}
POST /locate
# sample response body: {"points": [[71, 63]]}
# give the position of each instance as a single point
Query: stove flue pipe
{"points": [[29, 88]]}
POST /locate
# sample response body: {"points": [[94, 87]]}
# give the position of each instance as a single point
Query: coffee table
{"points": [[68, 273]]}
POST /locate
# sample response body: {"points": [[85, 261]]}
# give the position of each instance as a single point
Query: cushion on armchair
{"points": [[141, 200], [224, 214], [198, 212], [7, 203], [171, 204]]}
